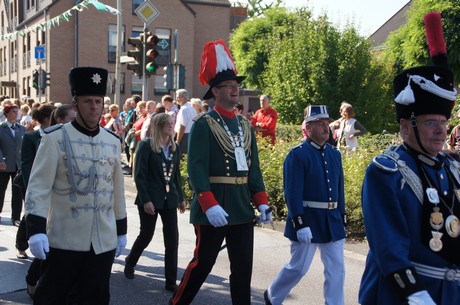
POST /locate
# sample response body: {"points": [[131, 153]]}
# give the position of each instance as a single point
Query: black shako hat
{"points": [[88, 81], [217, 66], [427, 89], [424, 90]]}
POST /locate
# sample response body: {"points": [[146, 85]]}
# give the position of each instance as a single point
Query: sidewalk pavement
{"points": [[148, 286]]}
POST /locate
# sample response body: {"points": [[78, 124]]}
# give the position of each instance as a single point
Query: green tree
{"points": [[312, 62], [299, 60], [250, 44], [257, 8], [407, 47]]}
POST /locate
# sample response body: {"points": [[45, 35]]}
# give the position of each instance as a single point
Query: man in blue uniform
{"points": [[410, 197], [314, 191]]}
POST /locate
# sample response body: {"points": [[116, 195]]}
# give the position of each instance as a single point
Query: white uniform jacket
{"points": [[77, 185]]}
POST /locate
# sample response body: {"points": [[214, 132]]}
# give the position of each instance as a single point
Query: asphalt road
{"points": [[271, 252]]}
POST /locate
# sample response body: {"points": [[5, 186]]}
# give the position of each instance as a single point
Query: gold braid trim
{"points": [[222, 137]]}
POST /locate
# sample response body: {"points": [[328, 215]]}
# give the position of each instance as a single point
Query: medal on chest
{"points": [[237, 142], [168, 173]]}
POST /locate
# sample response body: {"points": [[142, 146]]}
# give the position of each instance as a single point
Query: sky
{"points": [[368, 15]]}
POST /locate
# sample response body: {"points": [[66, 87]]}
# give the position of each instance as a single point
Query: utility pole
{"points": [[145, 86], [117, 98]]}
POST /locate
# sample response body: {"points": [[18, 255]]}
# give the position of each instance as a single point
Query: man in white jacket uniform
{"points": [[75, 205]]}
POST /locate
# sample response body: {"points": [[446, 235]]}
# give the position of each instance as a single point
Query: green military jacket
{"points": [[150, 179], [207, 158]]}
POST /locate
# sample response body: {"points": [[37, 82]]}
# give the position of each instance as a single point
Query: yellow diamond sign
{"points": [[147, 12]]}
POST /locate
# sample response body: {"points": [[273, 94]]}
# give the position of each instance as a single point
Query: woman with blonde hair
{"points": [[159, 192]]}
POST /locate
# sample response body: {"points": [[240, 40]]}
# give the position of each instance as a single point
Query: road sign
{"points": [[147, 12], [163, 44], [40, 52], [126, 59]]}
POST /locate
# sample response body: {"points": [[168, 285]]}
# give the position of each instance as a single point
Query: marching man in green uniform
{"points": [[224, 171]]}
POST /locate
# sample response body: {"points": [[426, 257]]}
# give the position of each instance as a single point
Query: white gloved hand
{"points": [[264, 216], [38, 244], [304, 235], [121, 245], [420, 298], [217, 216]]}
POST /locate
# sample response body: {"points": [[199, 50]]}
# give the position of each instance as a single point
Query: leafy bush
{"points": [[354, 165]]}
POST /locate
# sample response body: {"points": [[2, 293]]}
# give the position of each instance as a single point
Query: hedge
{"points": [[354, 166]]}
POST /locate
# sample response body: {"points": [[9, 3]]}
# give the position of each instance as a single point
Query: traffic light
{"points": [[137, 53], [35, 79], [44, 79], [181, 76], [169, 77], [151, 54]]}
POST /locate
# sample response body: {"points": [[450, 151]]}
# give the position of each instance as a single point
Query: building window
{"points": [[112, 81], [136, 84], [112, 51], [136, 4]]}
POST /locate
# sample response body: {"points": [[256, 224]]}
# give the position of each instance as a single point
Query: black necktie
{"points": [[13, 126]]}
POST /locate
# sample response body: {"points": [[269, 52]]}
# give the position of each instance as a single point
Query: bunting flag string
{"points": [[54, 22]]}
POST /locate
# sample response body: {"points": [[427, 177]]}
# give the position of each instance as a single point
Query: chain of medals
{"points": [[223, 139], [237, 142], [168, 173], [451, 224]]}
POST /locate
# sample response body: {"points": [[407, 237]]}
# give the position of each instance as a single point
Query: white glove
{"points": [[121, 245], [38, 244], [420, 298], [264, 216], [304, 235], [216, 216]]}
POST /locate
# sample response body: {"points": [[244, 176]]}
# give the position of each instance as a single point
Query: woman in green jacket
{"points": [[159, 192]]}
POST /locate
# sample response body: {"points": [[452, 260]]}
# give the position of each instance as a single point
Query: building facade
{"points": [[75, 33]]}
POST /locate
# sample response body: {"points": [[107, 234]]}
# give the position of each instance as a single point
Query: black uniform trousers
{"points": [[16, 197], [85, 273], [240, 247], [170, 239]]}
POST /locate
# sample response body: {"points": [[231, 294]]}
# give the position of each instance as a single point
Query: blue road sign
{"points": [[40, 52]]}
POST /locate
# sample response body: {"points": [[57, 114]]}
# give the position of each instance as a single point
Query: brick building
{"points": [[88, 37]]}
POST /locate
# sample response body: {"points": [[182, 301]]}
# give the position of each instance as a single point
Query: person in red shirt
{"points": [[264, 120]]}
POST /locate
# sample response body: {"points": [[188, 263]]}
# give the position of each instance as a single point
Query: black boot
{"points": [[129, 270]]}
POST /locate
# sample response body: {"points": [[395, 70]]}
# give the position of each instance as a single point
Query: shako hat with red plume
{"points": [[217, 66], [427, 89]]}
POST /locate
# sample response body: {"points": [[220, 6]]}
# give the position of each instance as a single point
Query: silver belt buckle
{"points": [[330, 205], [450, 275]]}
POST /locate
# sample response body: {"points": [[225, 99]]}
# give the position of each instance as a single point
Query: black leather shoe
{"points": [[21, 254], [267, 300], [129, 270], [171, 287]]}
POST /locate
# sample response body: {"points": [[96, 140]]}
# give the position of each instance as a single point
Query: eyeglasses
{"points": [[432, 124], [229, 86]]}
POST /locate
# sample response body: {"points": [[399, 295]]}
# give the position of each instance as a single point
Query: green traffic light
{"points": [[151, 67]]}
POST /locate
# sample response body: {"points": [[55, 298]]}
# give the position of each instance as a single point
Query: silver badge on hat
{"points": [[96, 78]]}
